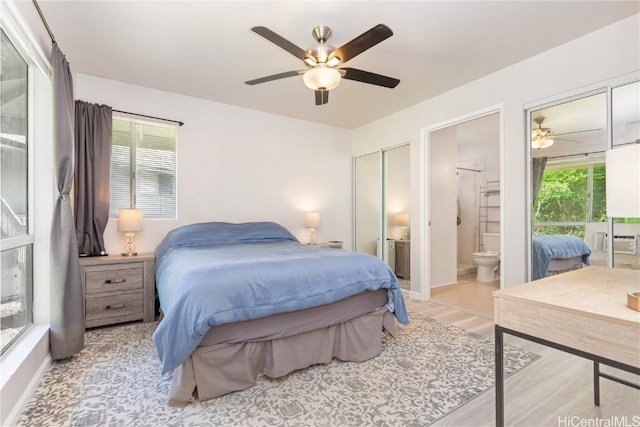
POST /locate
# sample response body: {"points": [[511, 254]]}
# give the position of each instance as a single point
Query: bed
{"points": [[242, 299], [555, 254]]}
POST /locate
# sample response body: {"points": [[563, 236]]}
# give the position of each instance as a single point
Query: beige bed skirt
{"points": [[558, 266], [220, 368]]}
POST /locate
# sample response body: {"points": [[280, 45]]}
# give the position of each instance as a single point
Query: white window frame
{"points": [[28, 239]]}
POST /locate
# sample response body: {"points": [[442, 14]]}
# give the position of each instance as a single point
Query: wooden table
{"points": [[583, 312]]}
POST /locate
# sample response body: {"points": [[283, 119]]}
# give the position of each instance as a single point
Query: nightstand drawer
{"points": [[111, 278], [110, 309]]}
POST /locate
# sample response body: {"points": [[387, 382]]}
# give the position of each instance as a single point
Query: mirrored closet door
{"points": [[569, 141], [625, 130], [381, 208], [396, 219], [368, 201]]}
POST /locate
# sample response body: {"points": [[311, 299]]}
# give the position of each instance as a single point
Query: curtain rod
{"points": [[637, 141], [53, 40], [577, 155], [150, 117], [44, 21]]}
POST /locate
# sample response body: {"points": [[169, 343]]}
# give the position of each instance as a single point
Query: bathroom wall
{"points": [[478, 145], [469, 182]]}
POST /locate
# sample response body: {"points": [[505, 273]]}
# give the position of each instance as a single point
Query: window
{"points": [[16, 237], [570, 195], [143, 168]]}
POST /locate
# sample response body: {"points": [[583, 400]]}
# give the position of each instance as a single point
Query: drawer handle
{"points": [[115, 306], [112, 281]]}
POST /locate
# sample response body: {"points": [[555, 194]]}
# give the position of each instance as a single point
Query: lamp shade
{"points": [[312, 219], [322, 78], [623, 181], [540, 143], [129, 220], [402, 219]]}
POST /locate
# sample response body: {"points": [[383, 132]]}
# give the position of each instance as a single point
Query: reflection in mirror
{"points": [[396, 210], [625, 103], [368, 178], [568, 142]]}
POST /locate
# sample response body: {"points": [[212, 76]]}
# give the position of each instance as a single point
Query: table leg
{"points": [[596, 383], [499, 377]]}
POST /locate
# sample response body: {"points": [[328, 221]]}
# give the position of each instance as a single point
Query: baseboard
{"points": [[22, 373], [416, 296], [16, 413]]}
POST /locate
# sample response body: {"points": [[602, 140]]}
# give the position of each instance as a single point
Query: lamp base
{"points": [[129, 253]]}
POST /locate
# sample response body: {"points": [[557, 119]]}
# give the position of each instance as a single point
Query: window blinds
{"points": [[143, 168]]}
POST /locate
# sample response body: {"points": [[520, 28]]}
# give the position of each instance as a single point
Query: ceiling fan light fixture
{"points": [[322, 78], [540, 143], [334, 61]]}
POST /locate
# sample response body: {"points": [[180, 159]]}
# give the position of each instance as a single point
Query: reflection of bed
{"points": [[554, 254], [243, 299]]}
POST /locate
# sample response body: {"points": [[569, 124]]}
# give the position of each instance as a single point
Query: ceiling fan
{"points": [[322, 73], [545, 137], [541, 137]]}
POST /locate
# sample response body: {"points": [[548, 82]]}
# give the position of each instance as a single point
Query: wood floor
{"points": [[555, 390], [468, 294]]}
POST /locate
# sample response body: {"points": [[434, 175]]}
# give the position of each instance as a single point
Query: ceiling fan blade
{"points": [[568, 140], [579, 131], [274, 77], [363, 42], [322, 97], [281, 42], [368, 77]]}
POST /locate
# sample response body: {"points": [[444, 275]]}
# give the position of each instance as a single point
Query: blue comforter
{"points": [[214, 273], [546, 247]]}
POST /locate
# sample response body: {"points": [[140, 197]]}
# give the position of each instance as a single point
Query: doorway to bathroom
{"points": [[463, 212]]}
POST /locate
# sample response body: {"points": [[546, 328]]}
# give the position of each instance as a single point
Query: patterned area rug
{"points": [[427, 372]]}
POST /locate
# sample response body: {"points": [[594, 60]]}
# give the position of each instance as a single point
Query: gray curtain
{"points": [[538, 171], [91, 183], [67, 303]]}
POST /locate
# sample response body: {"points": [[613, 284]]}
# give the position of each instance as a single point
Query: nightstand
{"points": [[335, 244], [403, 259], [118, 289]]}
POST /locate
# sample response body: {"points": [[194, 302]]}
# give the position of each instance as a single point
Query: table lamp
{"points": [[402, 219], [311, 221], [129, 221]]}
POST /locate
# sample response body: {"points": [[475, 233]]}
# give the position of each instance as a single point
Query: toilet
{"points": [[489, 260]]}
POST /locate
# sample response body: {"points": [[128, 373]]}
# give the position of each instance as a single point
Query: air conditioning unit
{"points": [[622, 244]]}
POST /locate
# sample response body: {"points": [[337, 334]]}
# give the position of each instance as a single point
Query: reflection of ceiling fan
{"points": [[541, 137], [545, 137], [322, 61]]}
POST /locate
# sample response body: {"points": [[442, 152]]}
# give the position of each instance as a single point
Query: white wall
{"points": [[239, 165], [557, 73]]}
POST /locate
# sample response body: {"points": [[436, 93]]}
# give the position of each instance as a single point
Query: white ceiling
{"points": [[205, 49]]}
